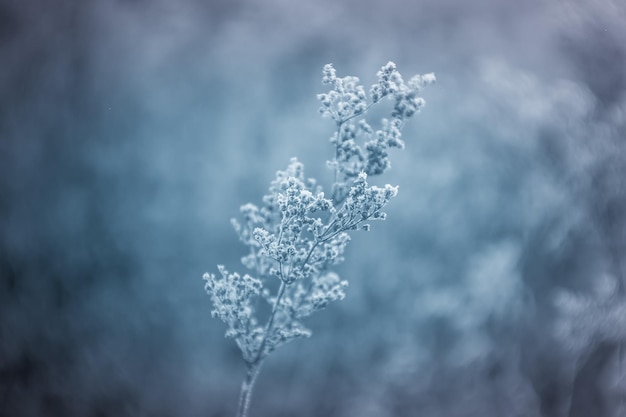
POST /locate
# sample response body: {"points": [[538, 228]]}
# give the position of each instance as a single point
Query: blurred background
{"points": [[131, 131]]}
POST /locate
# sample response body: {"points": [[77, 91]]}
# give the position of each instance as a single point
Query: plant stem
{"points": [[254, 367], [246, 389], [260, 354]]}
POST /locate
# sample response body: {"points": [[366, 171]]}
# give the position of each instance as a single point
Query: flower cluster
{"points": [[346, 103], [231, 296], [345, 100], [298, 234]]}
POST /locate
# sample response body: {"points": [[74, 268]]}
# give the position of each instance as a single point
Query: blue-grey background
{"points": [[132, 131]]}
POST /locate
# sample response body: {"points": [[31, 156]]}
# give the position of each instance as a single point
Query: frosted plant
{"points": [[298, 234]]}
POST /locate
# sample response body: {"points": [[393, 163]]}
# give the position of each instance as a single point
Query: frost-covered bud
{"points": [[364, 202], [329, 74], [365, 127], [287, 334], [385, 83], [417, 82], [274, 271], [262, 236], [376, 93], [325, 99], [250, 212], [345, 100], [379, 215], [390, 191], [326, 289], [377, 157]]}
